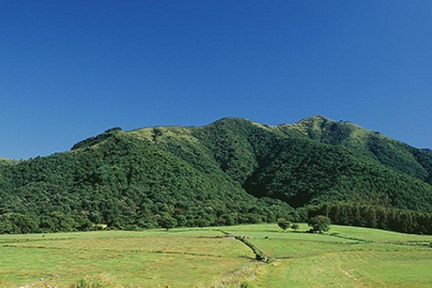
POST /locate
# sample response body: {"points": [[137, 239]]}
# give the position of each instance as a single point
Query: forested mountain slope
{"points": [[387, 151], [231, 171]]}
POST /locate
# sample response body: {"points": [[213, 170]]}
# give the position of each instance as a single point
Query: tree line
{"points": [[363, 215]]}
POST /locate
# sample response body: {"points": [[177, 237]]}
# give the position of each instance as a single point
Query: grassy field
{"points": [[343, 257]]}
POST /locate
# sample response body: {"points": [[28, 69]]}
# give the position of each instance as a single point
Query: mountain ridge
{"points": [[230, 171], [342, 133]]}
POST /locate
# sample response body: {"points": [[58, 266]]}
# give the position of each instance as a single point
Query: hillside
{"points": [[229, 172]]}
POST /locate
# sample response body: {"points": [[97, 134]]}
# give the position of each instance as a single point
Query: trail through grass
{"points": [[343, 257]]}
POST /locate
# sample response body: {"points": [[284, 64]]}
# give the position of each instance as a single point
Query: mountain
{"points": [[228, 172], [342, 161]]}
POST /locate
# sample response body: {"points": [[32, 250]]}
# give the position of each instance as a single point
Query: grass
{"points": [[343, 257], [179, 258]]}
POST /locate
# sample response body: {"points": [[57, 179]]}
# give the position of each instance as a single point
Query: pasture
{"points": [[183, 257]]}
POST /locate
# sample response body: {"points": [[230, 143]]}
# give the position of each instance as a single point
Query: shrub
{"points": [[295, 226], [319, 223], [283, 224], [104, 280]]}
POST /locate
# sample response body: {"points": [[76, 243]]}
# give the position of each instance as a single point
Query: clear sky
{"points": [[72, 69]]}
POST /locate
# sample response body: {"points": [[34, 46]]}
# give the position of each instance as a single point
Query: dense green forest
{"points": [[371, 216], [229, 172]]}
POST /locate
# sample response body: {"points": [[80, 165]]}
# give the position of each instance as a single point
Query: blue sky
{"points": [[72, 69]]}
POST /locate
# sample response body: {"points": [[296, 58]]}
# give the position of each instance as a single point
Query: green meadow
{"points": [[343, 257]]}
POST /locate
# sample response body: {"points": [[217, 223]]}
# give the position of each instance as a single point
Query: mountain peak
{"points": [[318, 119]]}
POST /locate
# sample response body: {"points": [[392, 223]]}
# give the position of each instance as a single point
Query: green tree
{"points": [[295, 226], [319, 223], [202, 222], [283, 224], [181, 220], [167, 222]]}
